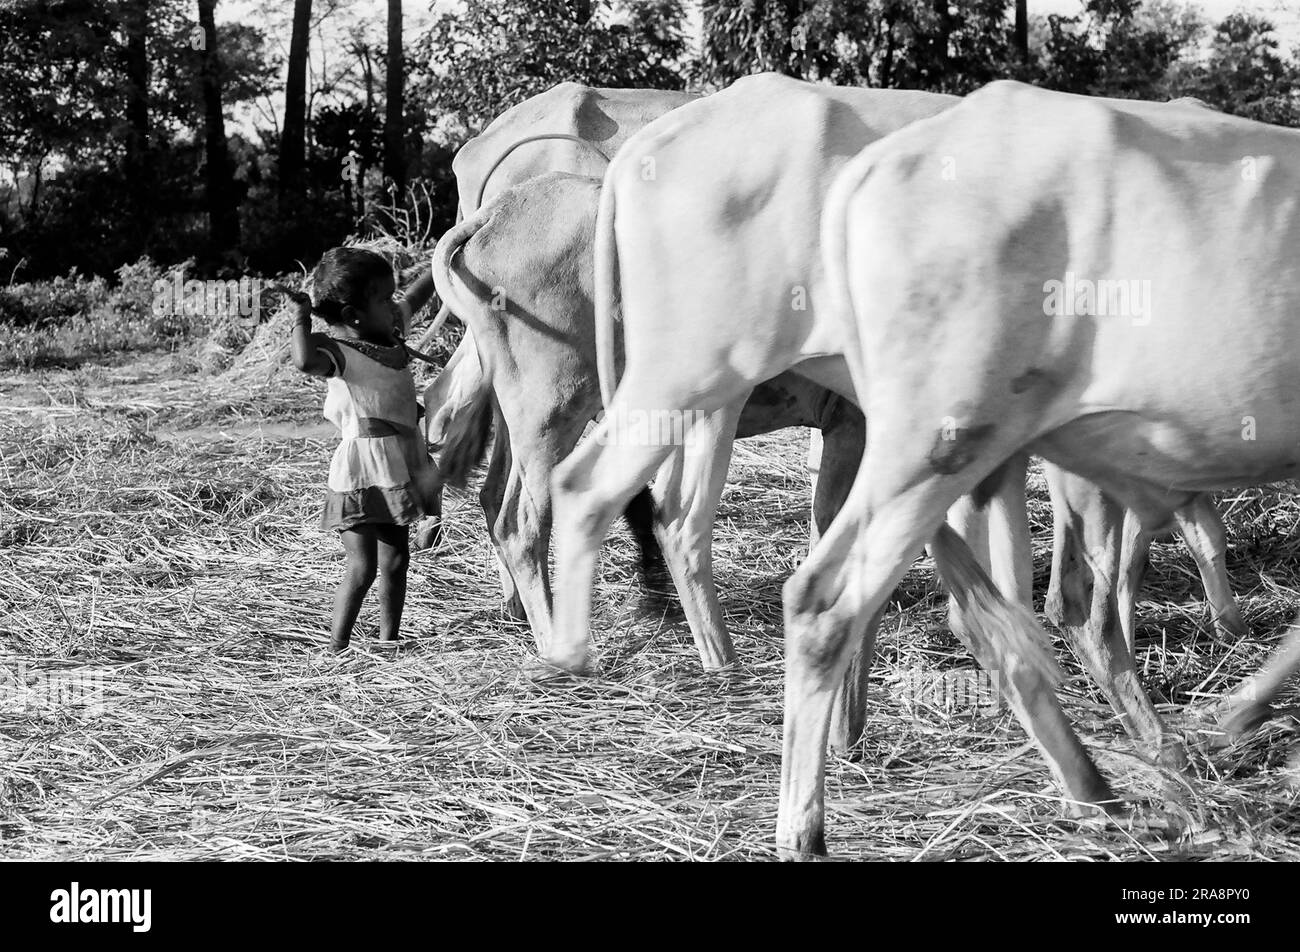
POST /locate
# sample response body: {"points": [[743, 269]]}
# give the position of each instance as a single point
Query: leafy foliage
{"points": [[67, 319], [1246, 73], [490, 55], [886, 43], [63, 133], [1122, 50], [79, 190]]}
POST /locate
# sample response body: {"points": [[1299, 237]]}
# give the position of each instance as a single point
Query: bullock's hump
{"points": [[603, 117]]}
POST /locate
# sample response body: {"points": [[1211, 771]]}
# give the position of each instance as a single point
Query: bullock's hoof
{"points": [[544, 669], [427, 534], [1291, 779], [805, 848]]}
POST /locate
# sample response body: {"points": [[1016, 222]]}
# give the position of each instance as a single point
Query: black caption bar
{"points": [[138, 902]]}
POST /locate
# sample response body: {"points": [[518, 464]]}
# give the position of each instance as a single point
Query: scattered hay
{"points": [[266, 355], [160, 548]]}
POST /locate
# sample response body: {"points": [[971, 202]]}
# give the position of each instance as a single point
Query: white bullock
{"points": [[1173, 372], [708, 232], [571, 128], [518, 272], [726, 189]]}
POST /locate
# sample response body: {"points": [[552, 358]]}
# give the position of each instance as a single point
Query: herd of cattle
{"points": [[878, 265]]}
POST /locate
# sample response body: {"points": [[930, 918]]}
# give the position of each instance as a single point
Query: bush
{"points": [[67, 319], [43, 303]]}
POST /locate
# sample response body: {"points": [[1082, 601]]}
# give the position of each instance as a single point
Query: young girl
{"points": [[381, 479]]}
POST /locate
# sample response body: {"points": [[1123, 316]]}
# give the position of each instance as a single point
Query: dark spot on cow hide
{"points": [[954, 449], [1033, 377]]}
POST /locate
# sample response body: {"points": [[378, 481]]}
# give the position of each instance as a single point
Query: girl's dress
{"points": [[381, 472]]}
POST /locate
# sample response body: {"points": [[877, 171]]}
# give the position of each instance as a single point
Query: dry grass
{"points": [[158, 539]]}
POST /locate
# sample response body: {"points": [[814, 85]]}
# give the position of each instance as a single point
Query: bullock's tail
{"points": [[456, 293], [444, 311], [1018, 638], [605, 282], [459, 427], [1016, 652], [426, 338]]}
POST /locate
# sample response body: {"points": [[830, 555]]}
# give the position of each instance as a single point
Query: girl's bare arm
{"points": [[416, 297], [307, 356]]}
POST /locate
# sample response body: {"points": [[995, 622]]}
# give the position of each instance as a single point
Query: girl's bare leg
{"points": [[359, 544], [394, 551]]}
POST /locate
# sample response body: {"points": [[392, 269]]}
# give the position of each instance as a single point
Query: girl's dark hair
{"points": [[344, 276]]}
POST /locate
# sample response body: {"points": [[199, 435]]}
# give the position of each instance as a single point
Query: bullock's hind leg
{"points": [[835, 598], [1010, 560], [1249, 706], [842, 445], [589, 489], [640, 518], [1090, 563], [994, 524], [491, 497], [832, 604], [1134, 560], [523, 527], [687, 491], [816, 448], [1203, 531]]}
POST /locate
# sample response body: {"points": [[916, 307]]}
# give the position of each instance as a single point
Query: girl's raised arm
{"points": [[307, 355], [415, 297]]}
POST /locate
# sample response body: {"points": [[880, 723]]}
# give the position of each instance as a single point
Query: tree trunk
{"points": [[294, 135], [363, 147], [138, 166], [1020, 39], [942, 35], [223, 215], [394, 127]]}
